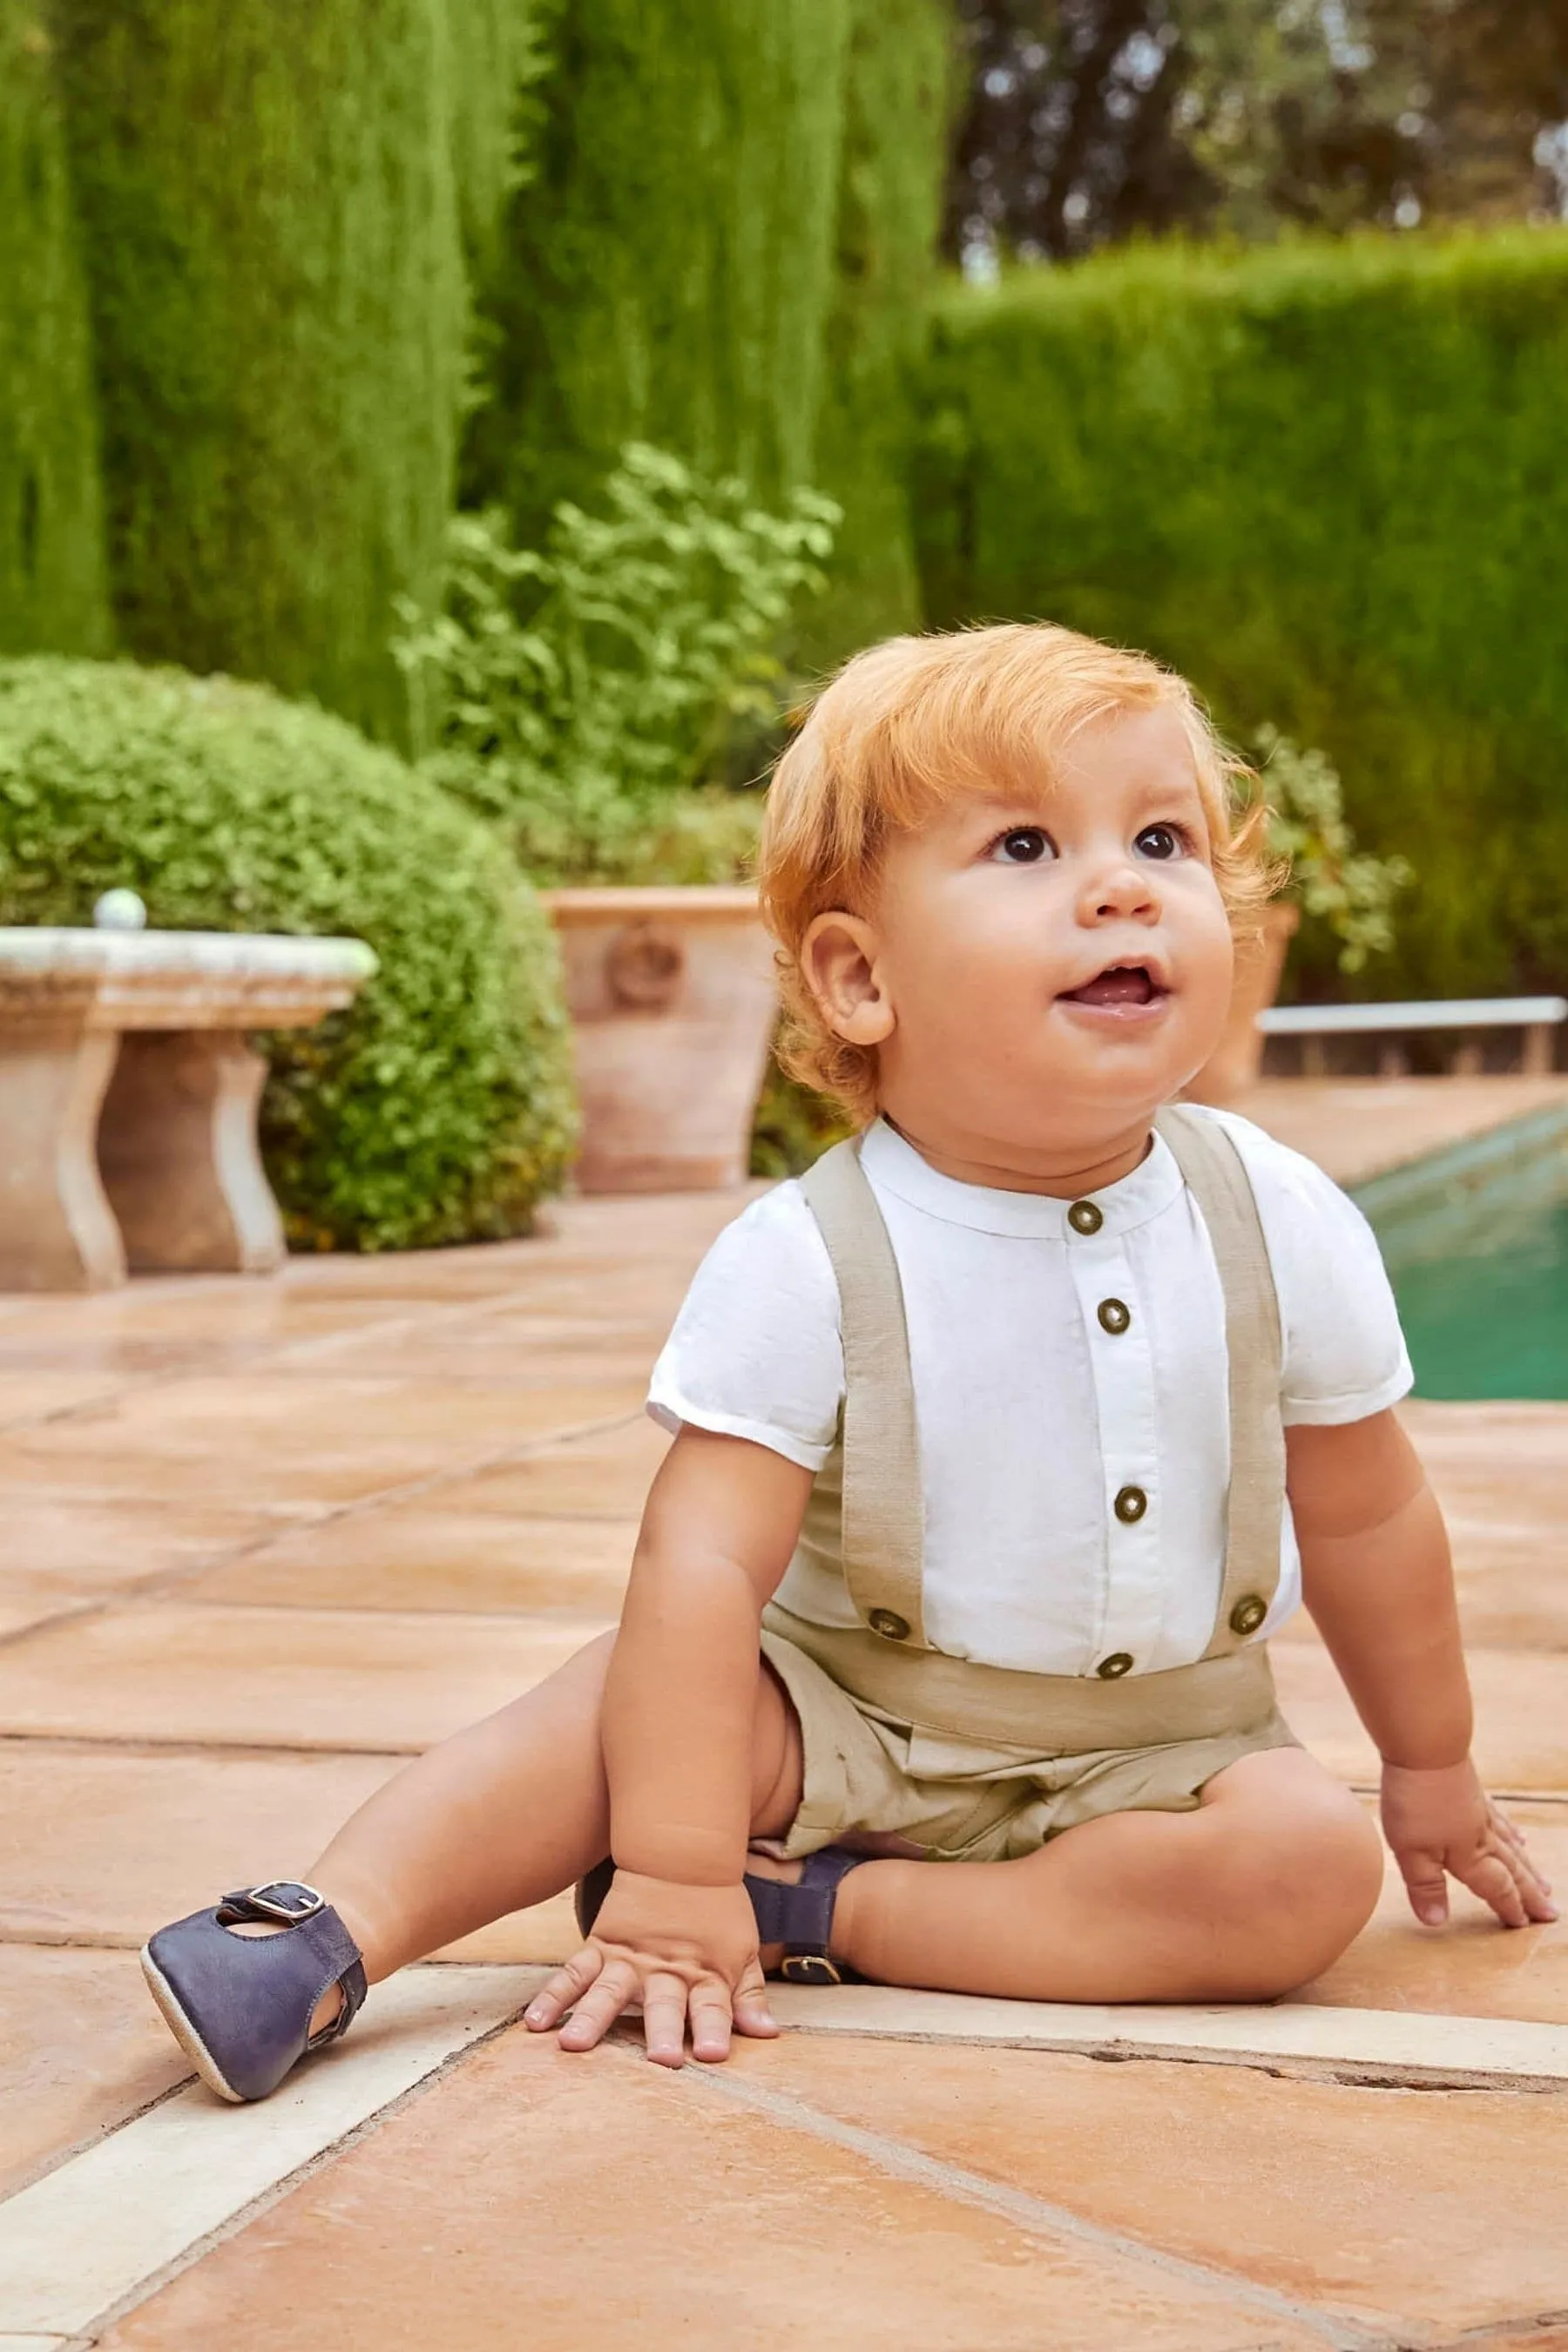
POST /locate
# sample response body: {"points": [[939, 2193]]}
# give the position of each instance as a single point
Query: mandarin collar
{"points": [[896, 1167]]}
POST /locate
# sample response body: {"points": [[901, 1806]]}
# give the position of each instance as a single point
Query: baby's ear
{"points": [[839, 961]]}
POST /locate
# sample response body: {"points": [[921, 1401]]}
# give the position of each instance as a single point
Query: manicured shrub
{"points": [[1328, 483], [53, 587], [271, 224], [437, 1108], [669, 268]]}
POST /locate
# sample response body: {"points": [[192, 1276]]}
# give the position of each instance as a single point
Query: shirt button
{"points": [[1114, 1316], [890, 1624], [1249, 1614], [1131, 1505], [1111, 1669], [1085, 1218]]}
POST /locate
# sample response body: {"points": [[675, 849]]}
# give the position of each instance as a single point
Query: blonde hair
{"points": [[913, 724]]}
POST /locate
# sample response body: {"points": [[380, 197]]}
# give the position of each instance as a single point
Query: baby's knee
{"points": [[1302, 1889]]}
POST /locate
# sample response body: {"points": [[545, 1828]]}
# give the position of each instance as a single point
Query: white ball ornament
{"points": [[120, 910]]}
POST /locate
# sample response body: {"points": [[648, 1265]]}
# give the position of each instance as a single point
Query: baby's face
{"points": [[1052, 963]]}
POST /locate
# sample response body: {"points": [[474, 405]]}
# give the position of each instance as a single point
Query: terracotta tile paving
{"points": [[420, 1556], [527, 2197], [229, 1678], [81, 2049], [309, 1525], [1444, 2208]]}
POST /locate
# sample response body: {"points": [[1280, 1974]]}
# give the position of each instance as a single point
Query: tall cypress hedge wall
{"points": [[669, 268], [53, 584], [272, 230], [901, 86], [1329, 484]]}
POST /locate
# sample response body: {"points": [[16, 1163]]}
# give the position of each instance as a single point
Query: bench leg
{"points": [[57, 1229], [177, 1147], [1536, 1057]]}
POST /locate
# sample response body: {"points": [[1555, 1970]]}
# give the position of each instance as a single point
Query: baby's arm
{"points": [[677, 1931], [1378, 1583]]}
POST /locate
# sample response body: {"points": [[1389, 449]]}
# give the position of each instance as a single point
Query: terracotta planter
{"points": [[1234, 1064], [672, 1001]]}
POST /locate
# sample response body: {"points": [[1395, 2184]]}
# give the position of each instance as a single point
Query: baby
{"points": [[1002, 1443]]}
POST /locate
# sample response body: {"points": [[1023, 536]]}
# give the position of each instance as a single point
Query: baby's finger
{"points": [[710, 2020], [664, 2020], [1489, 1876], [1427, 1886], [600, 2006], [752, 2015], [571, 1981], [1534, 1890]]}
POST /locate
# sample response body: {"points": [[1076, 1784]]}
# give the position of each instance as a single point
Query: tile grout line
{"points": [[125, 2190], [1025, 2212], [164, 1582]]}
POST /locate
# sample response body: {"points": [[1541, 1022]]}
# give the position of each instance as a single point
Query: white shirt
{"points": [[1031, 1414]]}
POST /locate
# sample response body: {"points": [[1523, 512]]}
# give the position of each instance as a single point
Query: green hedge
{"points": [[53, 586], [899, 92], [1328, 482], [271, 229], [670, 267], [437, 1108]]}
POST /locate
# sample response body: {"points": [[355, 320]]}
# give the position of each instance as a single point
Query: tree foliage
{"points": [[1090, 121]]}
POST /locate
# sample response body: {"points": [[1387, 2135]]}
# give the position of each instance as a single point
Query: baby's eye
{"points": [[1022, 845], [1163, 841]]}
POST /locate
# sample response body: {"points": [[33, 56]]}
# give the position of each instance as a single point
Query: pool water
{"points": [[1494, 1324], [1476, 1242]]}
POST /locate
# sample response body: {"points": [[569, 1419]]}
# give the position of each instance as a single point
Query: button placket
{"points": [[1122, 1367]]}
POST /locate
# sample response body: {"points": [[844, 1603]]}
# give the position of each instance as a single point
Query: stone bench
{"points": [[128, 1094]]}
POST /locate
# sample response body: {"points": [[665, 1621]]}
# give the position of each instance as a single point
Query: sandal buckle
{"points": [[288, 1900], [809, 1968]]}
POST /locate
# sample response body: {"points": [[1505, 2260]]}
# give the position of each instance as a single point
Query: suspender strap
{"points": [[884, 1501], [883, 1513], [1215, 1176]]}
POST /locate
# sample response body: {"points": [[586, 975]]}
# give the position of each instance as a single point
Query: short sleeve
{"points": [[755, 1351], [1344, 1353]]}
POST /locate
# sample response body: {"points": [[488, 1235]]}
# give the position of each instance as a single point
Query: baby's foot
{"points": [[243, 2023]]}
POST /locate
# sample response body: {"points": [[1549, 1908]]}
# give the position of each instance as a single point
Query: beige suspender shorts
{"points": [[980, 1763]]}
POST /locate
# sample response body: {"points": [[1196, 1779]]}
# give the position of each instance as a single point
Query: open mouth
{"points": [[1118, 984]]}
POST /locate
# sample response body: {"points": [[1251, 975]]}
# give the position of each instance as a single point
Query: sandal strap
{"points": [[299, 1910], [800, 1917]]}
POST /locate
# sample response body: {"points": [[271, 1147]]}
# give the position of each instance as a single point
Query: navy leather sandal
{"points": [[800, 1917], [240, 2006]]}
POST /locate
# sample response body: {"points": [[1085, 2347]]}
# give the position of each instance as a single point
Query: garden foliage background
{"points": [[273, 303]]}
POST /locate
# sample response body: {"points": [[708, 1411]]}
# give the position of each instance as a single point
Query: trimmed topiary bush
{"points": [[54, 587], [668, 269], [270, 221], [1327, 482], [436, 1109], [901, 85]]}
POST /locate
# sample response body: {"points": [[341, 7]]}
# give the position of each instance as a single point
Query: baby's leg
{"points": [[1256, 1892], [507, 1813]]}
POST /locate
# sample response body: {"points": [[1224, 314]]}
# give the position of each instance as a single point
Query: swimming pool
{"points": [[1476, 1241]]}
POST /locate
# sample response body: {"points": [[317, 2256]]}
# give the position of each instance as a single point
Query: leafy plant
{"points": [[576, 694], [437, 1107], [1349, 890]]}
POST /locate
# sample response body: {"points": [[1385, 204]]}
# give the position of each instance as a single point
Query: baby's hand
{"points": [[1441, 1823], [676, 1952]]}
